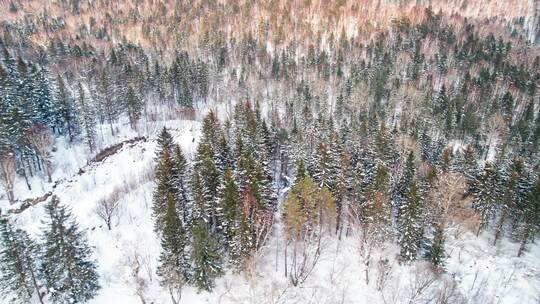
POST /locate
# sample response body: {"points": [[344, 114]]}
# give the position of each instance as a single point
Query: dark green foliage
{"points": [[133, 105], [164, 143], [180, 184], [174, 268], [435, 252], [66, 118], [410, 224], [205, 257], [529, 211], [165, 190], [67, 267], [88, 120], [487, 194], [18, 263]]}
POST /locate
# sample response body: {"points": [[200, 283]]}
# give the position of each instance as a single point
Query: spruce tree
{"points": [[410, 224], [66, 265], [87, 120], [402, 187], [165, 188], [205, 257], [18, 263], [66, 120], [511, 183], [230, 202], [133, 106], [530, 214], [487, 194], [173, 262], [209, 183], [164, 143], [180, 184], [108, 103], [435, 253]]}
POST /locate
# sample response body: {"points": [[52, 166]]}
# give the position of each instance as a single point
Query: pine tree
{"points": [[229, 199], [441, 103], [205, 257], [487, 194], [381, 145], [209, 182], [67, 269], [530, 214], [43, 98], [410, 224], [108, 103], [511, 182], [402, 187], [173, 262], [87, 120], [180, 184], [435, 253], [164, 143], [134, 106], [242, 241], [165, 188], [18, 263], [66, 119]]}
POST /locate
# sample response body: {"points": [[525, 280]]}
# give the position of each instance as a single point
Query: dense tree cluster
{"points": [[59, 268], [219, 209], [391, 130]]}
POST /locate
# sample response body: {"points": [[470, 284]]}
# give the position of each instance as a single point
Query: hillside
{"points": [[269, 151]]}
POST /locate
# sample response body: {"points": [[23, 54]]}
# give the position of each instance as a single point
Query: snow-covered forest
{"points": [[270, 151]]}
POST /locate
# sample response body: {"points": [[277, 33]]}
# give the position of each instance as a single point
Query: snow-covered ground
{"points": [[477, 272]]}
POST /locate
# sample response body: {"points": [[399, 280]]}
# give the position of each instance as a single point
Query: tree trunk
{"points": [[523, 243], [498, 228], [175, 301], [34, 282], [23, 173]]}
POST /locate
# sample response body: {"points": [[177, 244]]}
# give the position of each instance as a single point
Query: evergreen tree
{"points": [[230, 201], [208, 183], [173, 262], [18, 263], [66, 119], [164, 143], [180, 184], [530, 213], [511, 183], [106, 95], [133, 106], [87, 120], [487, 194], [435, 253], [164, 190], [67, 269], [205, 257], [410, 224], [42, 97], [401, 190], [381, 145]]}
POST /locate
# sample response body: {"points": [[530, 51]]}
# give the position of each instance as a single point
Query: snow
{"points": [[127, 255]]}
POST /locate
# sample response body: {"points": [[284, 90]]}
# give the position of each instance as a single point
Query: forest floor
{"points": [[127, 254]]}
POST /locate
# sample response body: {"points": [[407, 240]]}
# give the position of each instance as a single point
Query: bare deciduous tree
{"points": [[40, 137], [496, 131], [7, 174], [107, 208], [448, 203]]}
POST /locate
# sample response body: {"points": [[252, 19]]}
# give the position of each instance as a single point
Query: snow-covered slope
{"points": [[477, 272]]}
